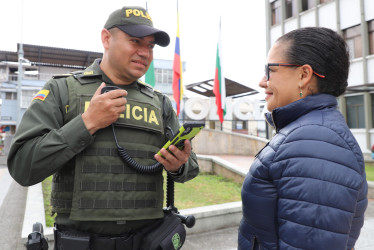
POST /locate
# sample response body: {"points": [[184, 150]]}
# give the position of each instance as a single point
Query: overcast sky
{"points": [[77, 25]]}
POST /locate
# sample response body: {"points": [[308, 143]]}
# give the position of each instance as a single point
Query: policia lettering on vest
{"points": [[101, 201], [137, 112]]}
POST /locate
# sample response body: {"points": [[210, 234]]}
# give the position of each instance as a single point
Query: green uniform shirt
{"points": [[43, 144]]}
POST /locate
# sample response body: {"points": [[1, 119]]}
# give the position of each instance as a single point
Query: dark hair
{"points": [[325, 51]]}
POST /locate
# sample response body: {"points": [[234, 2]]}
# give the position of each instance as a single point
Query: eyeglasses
{"points": [[267, 70]]}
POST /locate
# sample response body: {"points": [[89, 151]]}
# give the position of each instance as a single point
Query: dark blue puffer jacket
{"points": [[307, 188]]}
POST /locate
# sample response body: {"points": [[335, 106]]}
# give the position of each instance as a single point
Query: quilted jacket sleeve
{"points": [[319, 174]]}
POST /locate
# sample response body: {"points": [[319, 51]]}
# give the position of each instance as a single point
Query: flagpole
{"points": [[177, 70], [219, 88]]}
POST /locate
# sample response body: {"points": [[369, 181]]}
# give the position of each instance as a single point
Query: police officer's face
{"points": [[129, 57]]}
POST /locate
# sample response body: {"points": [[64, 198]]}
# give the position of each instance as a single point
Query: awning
{"points": [[51, 56], [233, 89], [7, 123]]}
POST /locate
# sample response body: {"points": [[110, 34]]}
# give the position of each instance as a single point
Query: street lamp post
{"points": [[19, 83]]}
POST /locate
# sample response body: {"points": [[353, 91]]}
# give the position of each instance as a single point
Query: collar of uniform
{"points": [[93, 73]]}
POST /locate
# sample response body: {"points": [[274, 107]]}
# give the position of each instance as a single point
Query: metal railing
{"points": [[40, 77]]}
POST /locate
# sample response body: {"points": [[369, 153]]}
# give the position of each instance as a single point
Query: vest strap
{"points": [[117, 186], [58, 203], [116, 204], [114, 152], [105, 204], [106, 168], [63, 187]]}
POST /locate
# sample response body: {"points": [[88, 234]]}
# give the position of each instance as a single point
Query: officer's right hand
{"points": [[104, 109]]}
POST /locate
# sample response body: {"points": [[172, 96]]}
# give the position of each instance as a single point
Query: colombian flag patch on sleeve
{"points": [[41, 95]]}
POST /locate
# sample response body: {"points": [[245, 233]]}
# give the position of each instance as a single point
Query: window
{"points": [[371, 37], [372, 110], [27, 96], [275, 12], [354, 41], [239, 125], [10, 96], [291, 8], [355, 111], [325, 1], [164, 76], [307, 4]]}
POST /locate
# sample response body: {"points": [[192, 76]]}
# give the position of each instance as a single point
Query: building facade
{"points": [[354, 20]]}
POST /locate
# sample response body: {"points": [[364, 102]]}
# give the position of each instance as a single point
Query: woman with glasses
{"points": [[307, 187]]}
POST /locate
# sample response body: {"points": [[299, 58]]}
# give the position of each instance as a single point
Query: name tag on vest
{"points": [[138, 114]]}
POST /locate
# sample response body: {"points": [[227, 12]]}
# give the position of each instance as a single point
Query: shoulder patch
{"points": [[41, 95]]}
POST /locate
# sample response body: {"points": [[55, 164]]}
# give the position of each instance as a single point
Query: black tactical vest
{"points": [[97, 185]]}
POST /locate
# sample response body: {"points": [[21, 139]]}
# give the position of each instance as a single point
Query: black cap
{"points": [[135, 21]]}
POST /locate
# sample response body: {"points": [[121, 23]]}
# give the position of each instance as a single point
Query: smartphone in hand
{"points": [[187, 132]]}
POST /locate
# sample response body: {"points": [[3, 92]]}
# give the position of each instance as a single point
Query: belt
{"points": [[76, 240]]}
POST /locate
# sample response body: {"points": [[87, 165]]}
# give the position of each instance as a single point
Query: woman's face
{"points": [[282, 87]]}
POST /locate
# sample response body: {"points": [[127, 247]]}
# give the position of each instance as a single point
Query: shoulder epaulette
{"points": [[149, 86], [61, 76], [145, 84], [57, 76], [146, 88], [85, 77], [76, 72]]}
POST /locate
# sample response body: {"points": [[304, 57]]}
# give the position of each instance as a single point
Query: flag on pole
{"points": [[177, 70], [219, 88], [150, 75]]}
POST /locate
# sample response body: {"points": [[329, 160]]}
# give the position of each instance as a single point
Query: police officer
{"points": [[66, 132]]}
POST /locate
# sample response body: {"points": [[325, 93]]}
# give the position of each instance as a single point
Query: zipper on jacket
{"points": [[255, 243], [272, 119]]}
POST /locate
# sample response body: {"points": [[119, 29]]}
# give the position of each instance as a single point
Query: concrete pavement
{"points": [[12, 210]]}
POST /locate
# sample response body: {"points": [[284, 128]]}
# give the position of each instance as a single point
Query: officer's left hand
{"points": [[174, 160]]}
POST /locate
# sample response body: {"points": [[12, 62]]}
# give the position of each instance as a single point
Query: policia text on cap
{"points": [[66, 132]]}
